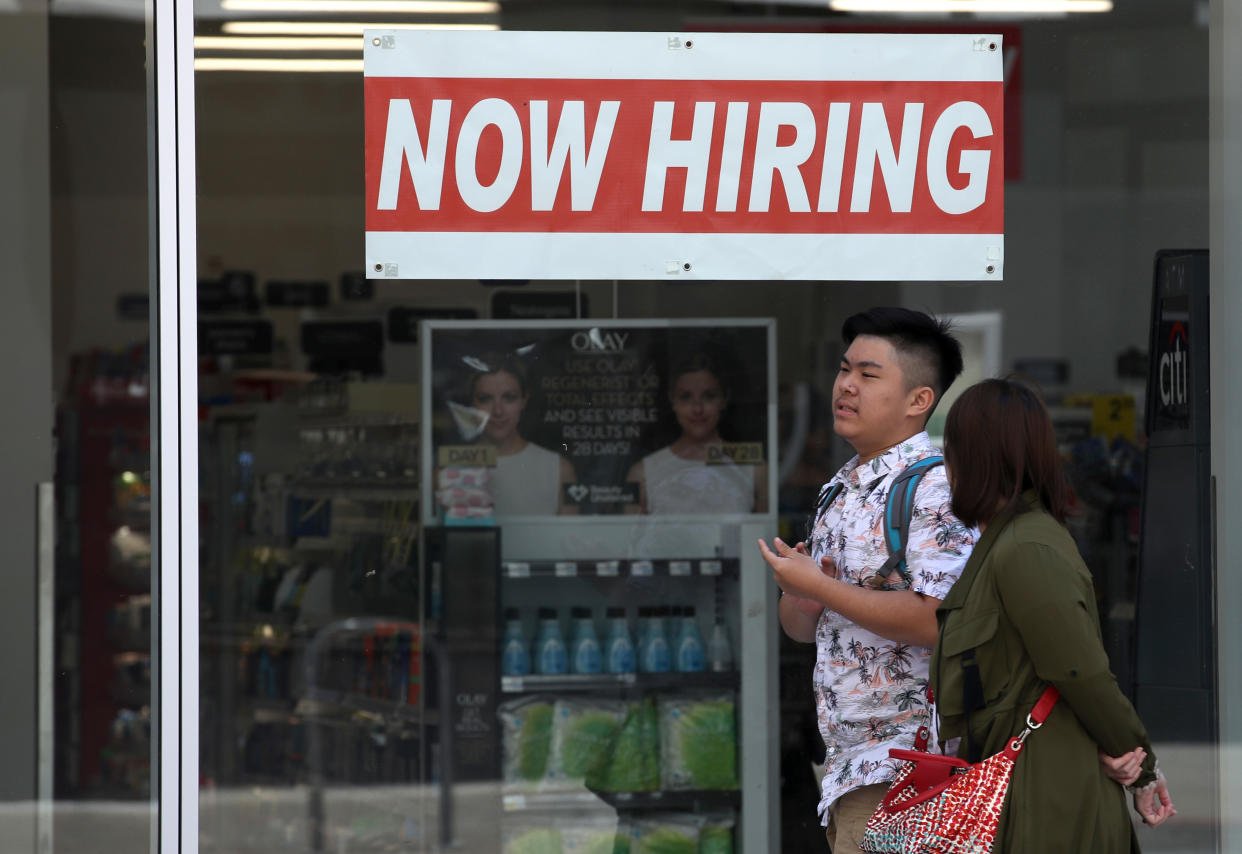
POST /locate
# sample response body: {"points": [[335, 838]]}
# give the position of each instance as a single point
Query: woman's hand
{"points": [[1125, 769], [1153, 803]]}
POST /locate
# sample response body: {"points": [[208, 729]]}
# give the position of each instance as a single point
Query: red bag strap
{"points": [[1043, 708], [1039, 714], [1034, 721]]}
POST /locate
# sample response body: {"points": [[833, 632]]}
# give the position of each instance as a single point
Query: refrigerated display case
{"points": [[677, 750], [619, 529]]}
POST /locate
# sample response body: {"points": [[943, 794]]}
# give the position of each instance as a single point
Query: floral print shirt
{"points": [[870, 692]]}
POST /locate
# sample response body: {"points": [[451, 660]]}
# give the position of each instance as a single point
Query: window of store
{"points": [[385, 573]]}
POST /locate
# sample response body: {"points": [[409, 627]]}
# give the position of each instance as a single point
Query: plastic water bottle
{"points": [[689, 643], [656, 656], [644, 632], [585, 656], [515, 655], [719, 650], [551, 658], [676, 625], [619, 656]]}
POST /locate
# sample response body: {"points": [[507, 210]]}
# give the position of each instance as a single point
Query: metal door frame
{"points": [[174, 383]]}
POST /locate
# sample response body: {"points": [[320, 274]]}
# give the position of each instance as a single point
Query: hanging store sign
{"points": [[706, 156]]}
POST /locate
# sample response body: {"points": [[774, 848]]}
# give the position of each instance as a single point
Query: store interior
{"points": [[310, 452]]}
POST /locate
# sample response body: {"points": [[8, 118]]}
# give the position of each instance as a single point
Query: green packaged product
{"points": [[716, 836], [603, 844], [635, 756], [590, 838], [583, 736], [698, 743], [673, 834], [625, 833], [527, 731], [537, 840]]}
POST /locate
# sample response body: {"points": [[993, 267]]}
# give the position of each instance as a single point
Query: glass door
{"points": [[92, 547]]}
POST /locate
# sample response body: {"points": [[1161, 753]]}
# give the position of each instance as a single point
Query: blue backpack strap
{"points": [[898, 510]]}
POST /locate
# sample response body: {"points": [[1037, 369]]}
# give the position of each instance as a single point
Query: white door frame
{"points": [[174, 381]]}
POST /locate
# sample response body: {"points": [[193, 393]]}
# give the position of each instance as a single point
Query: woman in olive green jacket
{"points": [[1022, 616]]}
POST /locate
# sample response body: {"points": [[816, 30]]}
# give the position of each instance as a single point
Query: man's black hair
{"points": [[929, 353]]}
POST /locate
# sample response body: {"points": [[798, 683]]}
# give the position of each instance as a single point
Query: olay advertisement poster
{"points": [[571, 418]]}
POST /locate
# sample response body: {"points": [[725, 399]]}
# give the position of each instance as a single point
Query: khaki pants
{"points": [[847, 817]]}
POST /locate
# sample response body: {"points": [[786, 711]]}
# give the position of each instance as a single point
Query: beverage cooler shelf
{"points": [[623, 682], [694, 801], [687, 568]]}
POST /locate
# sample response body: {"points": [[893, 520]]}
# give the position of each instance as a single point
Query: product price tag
{"points": [[640, 567], [511, 684], [566, 568], [608, 568], [517, 570], [709, 567], [679, 567], [515, 802]]}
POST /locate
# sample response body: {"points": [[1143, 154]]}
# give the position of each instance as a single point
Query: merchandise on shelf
{"points": [[698, 743]]}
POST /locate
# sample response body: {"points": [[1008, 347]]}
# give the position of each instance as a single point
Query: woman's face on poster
{"points": [[500, 396], [698, 401]]}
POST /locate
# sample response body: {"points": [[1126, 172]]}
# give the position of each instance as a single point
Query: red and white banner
{"points": [[708, 156]]}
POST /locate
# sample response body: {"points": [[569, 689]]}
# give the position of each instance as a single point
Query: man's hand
{"points": [[810, 607], [1125, 769], [898, 615], [1154, 804], [796, 573], [826, 563]]}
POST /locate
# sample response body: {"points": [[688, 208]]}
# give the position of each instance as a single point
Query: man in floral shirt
{"points": [[873, 633]]}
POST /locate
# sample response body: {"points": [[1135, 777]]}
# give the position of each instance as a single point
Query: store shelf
{"points": [[696, 801], [310, 419], [321, 702], [571, 683], [356, 488], [265, 710], [687, 568]]}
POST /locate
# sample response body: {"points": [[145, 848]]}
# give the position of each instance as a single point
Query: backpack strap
{"points": [[898, 510], [827, 497]]}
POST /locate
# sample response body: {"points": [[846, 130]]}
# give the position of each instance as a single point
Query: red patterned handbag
{"points": [[945, 805]]}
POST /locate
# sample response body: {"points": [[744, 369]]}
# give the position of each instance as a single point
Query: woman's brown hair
{"points": [[998, 443]]}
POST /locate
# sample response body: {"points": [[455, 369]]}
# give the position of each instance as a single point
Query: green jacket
{"points": [[1025, 605]]}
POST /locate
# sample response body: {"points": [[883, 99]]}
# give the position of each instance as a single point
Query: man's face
{"points": [[870, 401]]}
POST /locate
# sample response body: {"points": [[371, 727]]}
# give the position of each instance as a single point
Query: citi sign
{"points": [[644, 155], [1172, 368]]}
